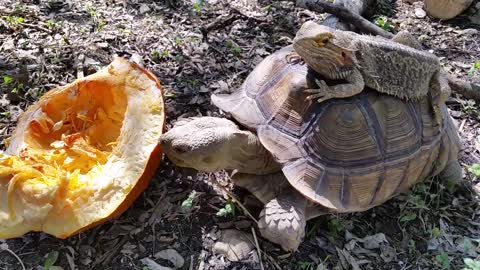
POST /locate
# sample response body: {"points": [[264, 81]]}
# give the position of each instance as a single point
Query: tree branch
{"points": [[346, 15]]}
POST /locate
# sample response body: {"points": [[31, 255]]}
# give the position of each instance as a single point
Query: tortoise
{"points": [[303, 159]]}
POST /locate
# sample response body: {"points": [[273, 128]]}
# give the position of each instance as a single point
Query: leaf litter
{"points": [[59, 41]]}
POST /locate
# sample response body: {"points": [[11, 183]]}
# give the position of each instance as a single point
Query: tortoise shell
{"points": [[345, 154]]}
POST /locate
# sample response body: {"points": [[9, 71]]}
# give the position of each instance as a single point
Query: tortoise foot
{"points": [[282, 221]]}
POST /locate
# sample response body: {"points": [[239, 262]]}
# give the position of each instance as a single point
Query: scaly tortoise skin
{"points": [[342, 155]]}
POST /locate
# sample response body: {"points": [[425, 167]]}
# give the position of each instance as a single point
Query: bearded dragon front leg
{"points": [[354, 85]]}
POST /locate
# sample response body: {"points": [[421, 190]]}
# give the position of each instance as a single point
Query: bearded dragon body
{"points": [[388, 66]]}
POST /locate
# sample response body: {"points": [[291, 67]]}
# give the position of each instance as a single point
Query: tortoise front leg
{"points": [[353, 86], [264, 187], [283, 220]]}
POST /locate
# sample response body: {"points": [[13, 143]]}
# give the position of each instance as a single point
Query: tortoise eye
{"points": [[179, 149]]}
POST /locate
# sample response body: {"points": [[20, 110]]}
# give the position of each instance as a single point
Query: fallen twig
{"points": [[219, 22], [347, 15], [258, 249]]}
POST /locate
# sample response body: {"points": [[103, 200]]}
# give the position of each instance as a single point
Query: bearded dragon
{"points": [[387, 66]]}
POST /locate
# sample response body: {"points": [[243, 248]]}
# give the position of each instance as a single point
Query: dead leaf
{"points": [[387, 253], [346, 259], [152, 265], [171, 255], [236, 245]]}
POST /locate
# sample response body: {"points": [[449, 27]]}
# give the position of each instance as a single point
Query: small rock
{"points": [[137, 58], [101, 44], [234, 244], [423, 38], [410, 1], [144, 8], [477, 6], [8, 45], [470, 31], [420, 13], [455, 114]]}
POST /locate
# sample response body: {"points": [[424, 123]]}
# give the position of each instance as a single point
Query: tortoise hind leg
{"points": [[283, 221], [452, 172]]}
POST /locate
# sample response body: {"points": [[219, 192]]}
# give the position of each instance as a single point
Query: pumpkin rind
{"points": [[98, 139]]}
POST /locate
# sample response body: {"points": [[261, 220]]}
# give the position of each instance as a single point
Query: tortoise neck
{"points": [[249, 155]]}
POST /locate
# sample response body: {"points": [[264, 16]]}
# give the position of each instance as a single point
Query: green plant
{"points": [[13, 19], [435, 232], [197, 6], [50, 260], [471, 264], [336, 226], [303, 265], [157, 55], [178, 41], [12, 84], [474, 169], [228, 209], [97, 19], [443, 260], [50, 24], [233, 47], [384, 23], [179, 58], [7, 80], [469, 108], [475, 70], [100, 25], [187, 204]]}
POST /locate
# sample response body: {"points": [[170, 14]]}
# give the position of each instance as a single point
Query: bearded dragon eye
{"points": [[323, 38]]}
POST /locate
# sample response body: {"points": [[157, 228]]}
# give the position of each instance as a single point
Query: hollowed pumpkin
{"points": [[83, 153]]}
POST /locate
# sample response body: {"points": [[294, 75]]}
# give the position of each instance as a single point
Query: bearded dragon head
{"points": [[317, 46]]}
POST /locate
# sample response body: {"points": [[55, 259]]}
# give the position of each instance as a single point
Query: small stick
{"points": [[460, 129], [348, 16], [258, 248]]}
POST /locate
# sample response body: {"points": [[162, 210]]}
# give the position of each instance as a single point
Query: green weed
{"points": [[228, 209]]}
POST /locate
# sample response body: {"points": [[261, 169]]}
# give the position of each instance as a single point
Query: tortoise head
{"points": [[203, 143], [317, 46]]}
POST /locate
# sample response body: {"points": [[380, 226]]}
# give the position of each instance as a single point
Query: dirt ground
{"points": [[46, 43]]}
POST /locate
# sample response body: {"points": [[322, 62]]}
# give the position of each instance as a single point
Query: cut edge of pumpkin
{"points": [[135, 81]]}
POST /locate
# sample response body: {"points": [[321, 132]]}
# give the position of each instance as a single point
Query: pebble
{"points": [[420, 13], [470, 31], [144, 8]]}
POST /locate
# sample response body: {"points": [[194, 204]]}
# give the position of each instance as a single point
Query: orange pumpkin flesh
{"points": [[83, 153]]}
